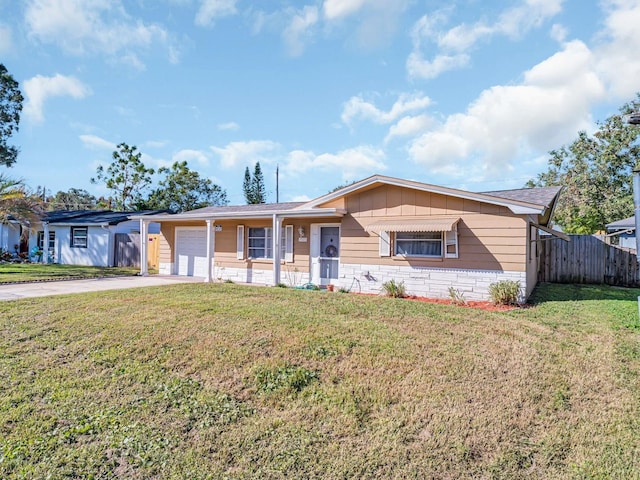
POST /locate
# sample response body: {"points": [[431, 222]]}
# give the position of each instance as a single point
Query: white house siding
{"points": [[427, 282], [99, 242], [9, 236]]}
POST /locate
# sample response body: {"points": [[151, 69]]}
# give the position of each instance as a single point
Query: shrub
{"points": [[505, 292], [457, 297], [394, 289]]}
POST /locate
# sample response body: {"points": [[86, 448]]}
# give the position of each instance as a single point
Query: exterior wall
{"points": [[489, 237], [97, 252], [9, 236], [429, 282]]}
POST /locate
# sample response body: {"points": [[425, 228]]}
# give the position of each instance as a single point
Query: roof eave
{"points": [[293, 213]]}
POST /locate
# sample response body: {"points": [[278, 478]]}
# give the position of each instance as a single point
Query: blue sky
{"points": [[458, 93]]}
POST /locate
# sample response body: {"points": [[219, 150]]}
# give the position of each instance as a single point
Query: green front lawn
{"points": [[225, 381], [31, 272]]}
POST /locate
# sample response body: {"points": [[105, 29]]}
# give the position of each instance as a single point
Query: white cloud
{"points": [[190, 156], [246, 153], [409, 126], [358, 108], [455, 43], [6, 40], [508, 122], [211, 9], [232, 126], [155, 143], [84, 27], [335, 9], [93, 142], [299, 31], [349, 164], [617, 60], [38, 89]]}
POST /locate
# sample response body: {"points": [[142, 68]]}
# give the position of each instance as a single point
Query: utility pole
{"points": [[277, 183]]}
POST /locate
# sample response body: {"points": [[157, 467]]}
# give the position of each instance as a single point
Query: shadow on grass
{"points": [[555, 292]]}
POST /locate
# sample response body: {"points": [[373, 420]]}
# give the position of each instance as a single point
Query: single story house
{"points": [[85, 237], [360, 236], [11, 237], [624, 230]]}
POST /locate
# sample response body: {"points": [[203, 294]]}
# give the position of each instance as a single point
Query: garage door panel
{"points": [[191, 252]]}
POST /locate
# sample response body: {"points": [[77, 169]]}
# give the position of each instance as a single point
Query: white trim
{"points": [[451, 238], [384, 245], [288, 249], [240, 242]]}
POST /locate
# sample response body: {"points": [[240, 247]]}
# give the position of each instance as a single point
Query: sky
{"points": [[468, 94]]}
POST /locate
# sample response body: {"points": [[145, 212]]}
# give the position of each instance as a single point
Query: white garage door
{"points": [[191, 252]]}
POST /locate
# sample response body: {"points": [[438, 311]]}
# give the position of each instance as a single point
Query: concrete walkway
{"points": [[42, 289]]}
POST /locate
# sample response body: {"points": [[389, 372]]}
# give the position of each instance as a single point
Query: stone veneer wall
{"points": [[420, 281], [427, 281]]}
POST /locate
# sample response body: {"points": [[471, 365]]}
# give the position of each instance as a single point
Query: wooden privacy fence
{"points": [[127, 250], [587, 259]]}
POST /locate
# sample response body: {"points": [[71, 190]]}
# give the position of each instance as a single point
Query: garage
{"points": [[191, 251]]}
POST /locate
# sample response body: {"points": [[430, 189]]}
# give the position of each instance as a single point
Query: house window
{"points": [[421, 244], [79, 237], [52, 240], [260, 241]]}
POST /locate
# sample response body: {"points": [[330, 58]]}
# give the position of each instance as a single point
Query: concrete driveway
{"points": [[42, 289]]}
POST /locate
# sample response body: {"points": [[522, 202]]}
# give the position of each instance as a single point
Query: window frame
{"points": [[75, 237], [439, 241], [52, 240], [286, 243]]}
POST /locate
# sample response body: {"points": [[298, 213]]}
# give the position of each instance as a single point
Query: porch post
{"points": [[211, 240], [277, 227], [45, 243], [144, 247]]}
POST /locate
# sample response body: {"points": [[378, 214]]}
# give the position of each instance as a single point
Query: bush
{"points": [[505, 292], [457, 297], [394, 289]]}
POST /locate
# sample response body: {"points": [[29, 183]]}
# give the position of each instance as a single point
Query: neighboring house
{"points": [[624, 230], [10, 237], [84, 237], [360, 236]]}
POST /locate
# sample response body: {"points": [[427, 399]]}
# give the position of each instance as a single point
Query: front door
{"points": [[325, 253]]}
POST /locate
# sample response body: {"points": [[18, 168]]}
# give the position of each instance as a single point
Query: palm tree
{"points": [[18, 204]]}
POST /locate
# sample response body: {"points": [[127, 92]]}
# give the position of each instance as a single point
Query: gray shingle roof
{"points": [[536, 195], [93, 217], [260, 207], [623, 224]]}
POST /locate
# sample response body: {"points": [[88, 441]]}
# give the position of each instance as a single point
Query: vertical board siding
{"points": [[127, 250], [587, 259]]}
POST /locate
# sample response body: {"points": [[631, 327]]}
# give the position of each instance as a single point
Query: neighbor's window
{"points": [[421, 244], [79, 237], [52, 240], [261, 241]]}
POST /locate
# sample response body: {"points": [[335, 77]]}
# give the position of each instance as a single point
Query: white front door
{"points": [[191, 251], [325, 253]]}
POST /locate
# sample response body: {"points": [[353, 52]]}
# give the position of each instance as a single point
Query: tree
{"points": [[127, 177], [246, 187], [10, 107], [183, 189], [18, 204], [73, 199], [253, 186], [596, 173]]}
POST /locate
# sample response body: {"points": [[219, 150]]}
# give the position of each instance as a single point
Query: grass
{"points": [[33, 272], [226, 381]]}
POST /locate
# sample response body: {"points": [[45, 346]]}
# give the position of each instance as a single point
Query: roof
{"points": [[624, 224], [525, 201], [535, 195], [92, 217], [535, 200]]}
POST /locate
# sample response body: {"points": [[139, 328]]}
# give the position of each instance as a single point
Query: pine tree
{"points": [[246, 187], [253, 186]]}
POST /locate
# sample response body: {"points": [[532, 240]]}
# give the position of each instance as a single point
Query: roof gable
{"points": [[519, 201]]}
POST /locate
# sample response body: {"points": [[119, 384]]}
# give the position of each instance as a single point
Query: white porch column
{"points": [[144, 247], [276, 238], [45, 243], [211, 245]]}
